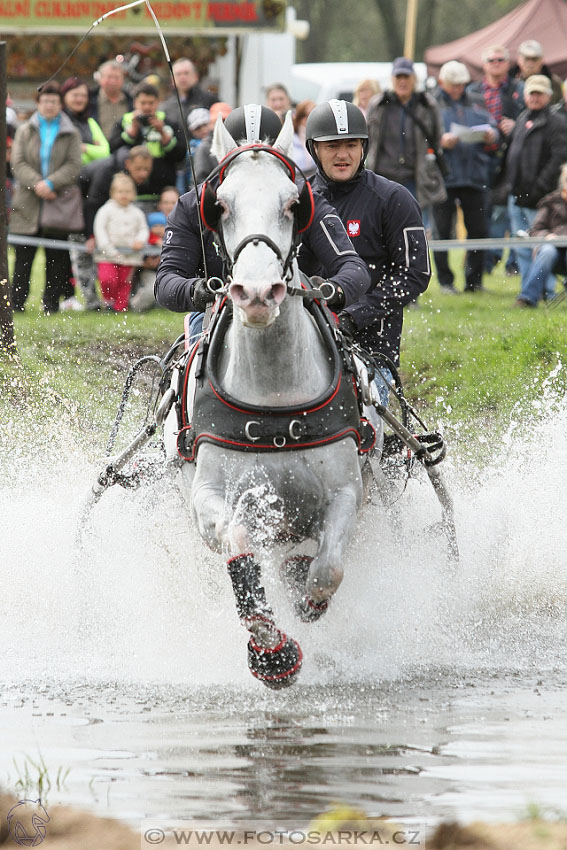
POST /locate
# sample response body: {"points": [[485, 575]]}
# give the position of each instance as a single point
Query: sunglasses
{"points": [[496, 59]]}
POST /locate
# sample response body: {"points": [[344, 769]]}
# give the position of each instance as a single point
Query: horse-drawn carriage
{"points": [[271, 420]]}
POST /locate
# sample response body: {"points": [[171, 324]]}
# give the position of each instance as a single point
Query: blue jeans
{"points": [[548, 259], [521, 218], [195, 327]]}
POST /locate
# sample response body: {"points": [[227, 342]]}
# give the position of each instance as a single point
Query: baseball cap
{"points": [[401, 65], [198, 117], [538, 82], [455, 73], [531, 49]]}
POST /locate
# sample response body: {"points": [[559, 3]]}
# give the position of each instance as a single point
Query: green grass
{"points": [[467, 360]]}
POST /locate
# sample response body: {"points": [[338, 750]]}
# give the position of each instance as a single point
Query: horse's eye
{"points": [[288, 208]]}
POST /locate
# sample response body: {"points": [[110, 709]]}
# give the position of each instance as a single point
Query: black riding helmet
{"points": [[253, 123], [335, 119]]}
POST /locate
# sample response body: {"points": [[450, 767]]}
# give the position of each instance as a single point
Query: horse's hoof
{"points": [[277, 667], [309, 611]]}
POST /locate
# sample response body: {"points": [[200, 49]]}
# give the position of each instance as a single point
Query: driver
{"points": [[180, 285], [384, 222]]}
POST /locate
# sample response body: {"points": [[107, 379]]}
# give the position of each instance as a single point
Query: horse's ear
{"points": [[223, 142], [284, 141]]}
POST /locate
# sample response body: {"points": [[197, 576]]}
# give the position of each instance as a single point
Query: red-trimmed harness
{"points": [[220, 419]]}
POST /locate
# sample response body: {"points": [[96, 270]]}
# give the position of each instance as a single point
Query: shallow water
{"points": [[424, 694]]}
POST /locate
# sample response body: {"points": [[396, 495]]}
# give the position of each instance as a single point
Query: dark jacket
{"points": [[181, 261], [194, 97], [469, 164], [430, 185], [384, 222], [556, 82], [512, 94], [551, 216], [101, 174], [537, 151]]}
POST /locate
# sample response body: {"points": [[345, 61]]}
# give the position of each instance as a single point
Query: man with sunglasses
{"points": [[503, 97]]}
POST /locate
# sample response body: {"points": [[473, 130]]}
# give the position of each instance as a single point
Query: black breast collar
{"points": [[220, 419]]}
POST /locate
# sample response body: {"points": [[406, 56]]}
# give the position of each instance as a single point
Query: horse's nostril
{"points": [[278, 292], [237, 293]]}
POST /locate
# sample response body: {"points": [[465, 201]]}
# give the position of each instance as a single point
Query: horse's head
{"points": [[257, 195]]}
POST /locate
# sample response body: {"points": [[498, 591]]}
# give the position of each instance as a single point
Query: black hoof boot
{"points": [[295, 571], [250, 596], [278, 667]]}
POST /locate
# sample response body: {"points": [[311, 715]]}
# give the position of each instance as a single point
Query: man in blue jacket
{"points": [[468, 179], [383, 220]]}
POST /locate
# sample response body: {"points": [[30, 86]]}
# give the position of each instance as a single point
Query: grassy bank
{"points": [[466, 360]]}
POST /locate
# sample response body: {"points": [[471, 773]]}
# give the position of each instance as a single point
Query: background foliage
{"points": [[373, 30]]}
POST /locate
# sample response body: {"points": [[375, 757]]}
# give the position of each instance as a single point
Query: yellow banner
{"points": [[179, 17]]}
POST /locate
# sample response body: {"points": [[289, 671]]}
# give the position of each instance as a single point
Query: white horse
{"points": [[273, 356]]}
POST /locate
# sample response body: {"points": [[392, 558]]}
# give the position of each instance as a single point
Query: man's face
{"points": [[496, 65], [403, 85], [185, 76], [536, 100], [111, 81], [278, 101], [139, 168], [146, 104], [530, 65], [340, 159], [454, 90]]}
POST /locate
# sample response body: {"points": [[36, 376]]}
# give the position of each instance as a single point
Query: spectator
{"points": [[530, 63], [468, 172], [537, 151], [145, 125], [109, 100], [278, 99], [143, 298], [204, 160], [121, 232], [364, 91], [11, 124], [503, 97], [198, 124], [139, 164], [550, 222], [301, 155], [94, 147], [46, 160], [190, 92], [404, 131]]}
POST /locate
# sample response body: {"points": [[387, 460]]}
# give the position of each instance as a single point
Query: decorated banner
{"points": [[181, 17]]}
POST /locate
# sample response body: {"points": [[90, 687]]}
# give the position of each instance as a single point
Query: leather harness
{"points": [[220, 419]]}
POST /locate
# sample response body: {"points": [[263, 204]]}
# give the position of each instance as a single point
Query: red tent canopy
{"points": [[543, 20]]}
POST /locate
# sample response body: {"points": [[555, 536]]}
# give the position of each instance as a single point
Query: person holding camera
{"points": [[146, 125]]}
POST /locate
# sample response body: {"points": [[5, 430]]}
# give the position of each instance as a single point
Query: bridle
{"points": [[210, 211]]}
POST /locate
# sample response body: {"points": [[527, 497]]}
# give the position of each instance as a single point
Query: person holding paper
{"points": [[468, 141]]}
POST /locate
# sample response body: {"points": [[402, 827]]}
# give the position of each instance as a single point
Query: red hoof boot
{"points": [[308, 611], [278, 667]]}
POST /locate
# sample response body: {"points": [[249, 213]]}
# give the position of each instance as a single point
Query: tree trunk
{"points": [[7, 339], [389, 11]]}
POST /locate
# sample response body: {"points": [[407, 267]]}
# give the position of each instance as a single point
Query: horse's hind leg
{"points": [[273, 657]]}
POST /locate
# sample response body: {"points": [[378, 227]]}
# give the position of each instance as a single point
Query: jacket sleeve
{"points": [[547, 177], [103, 242], [175, 149], [25, 174], [99, 149], [407, 274], [181, 260], [119, 137], [143, 232], [327, 249]]}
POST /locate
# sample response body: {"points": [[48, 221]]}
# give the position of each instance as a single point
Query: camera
{"points": [[145, 119]]}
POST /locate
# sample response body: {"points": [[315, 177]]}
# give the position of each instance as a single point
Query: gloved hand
{"points": [[336, 298], [200, 295], [347, 325]]}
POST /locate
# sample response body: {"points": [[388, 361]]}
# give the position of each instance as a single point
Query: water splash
{"points": [[145, 601]]}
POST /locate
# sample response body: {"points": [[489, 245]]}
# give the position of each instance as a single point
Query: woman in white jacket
{"points": [[121, 232]]}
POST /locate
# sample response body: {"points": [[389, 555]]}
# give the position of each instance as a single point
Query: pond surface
{"points": [[425, 694]]}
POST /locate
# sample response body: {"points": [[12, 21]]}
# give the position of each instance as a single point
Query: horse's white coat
{"points": [[273, 356]]}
